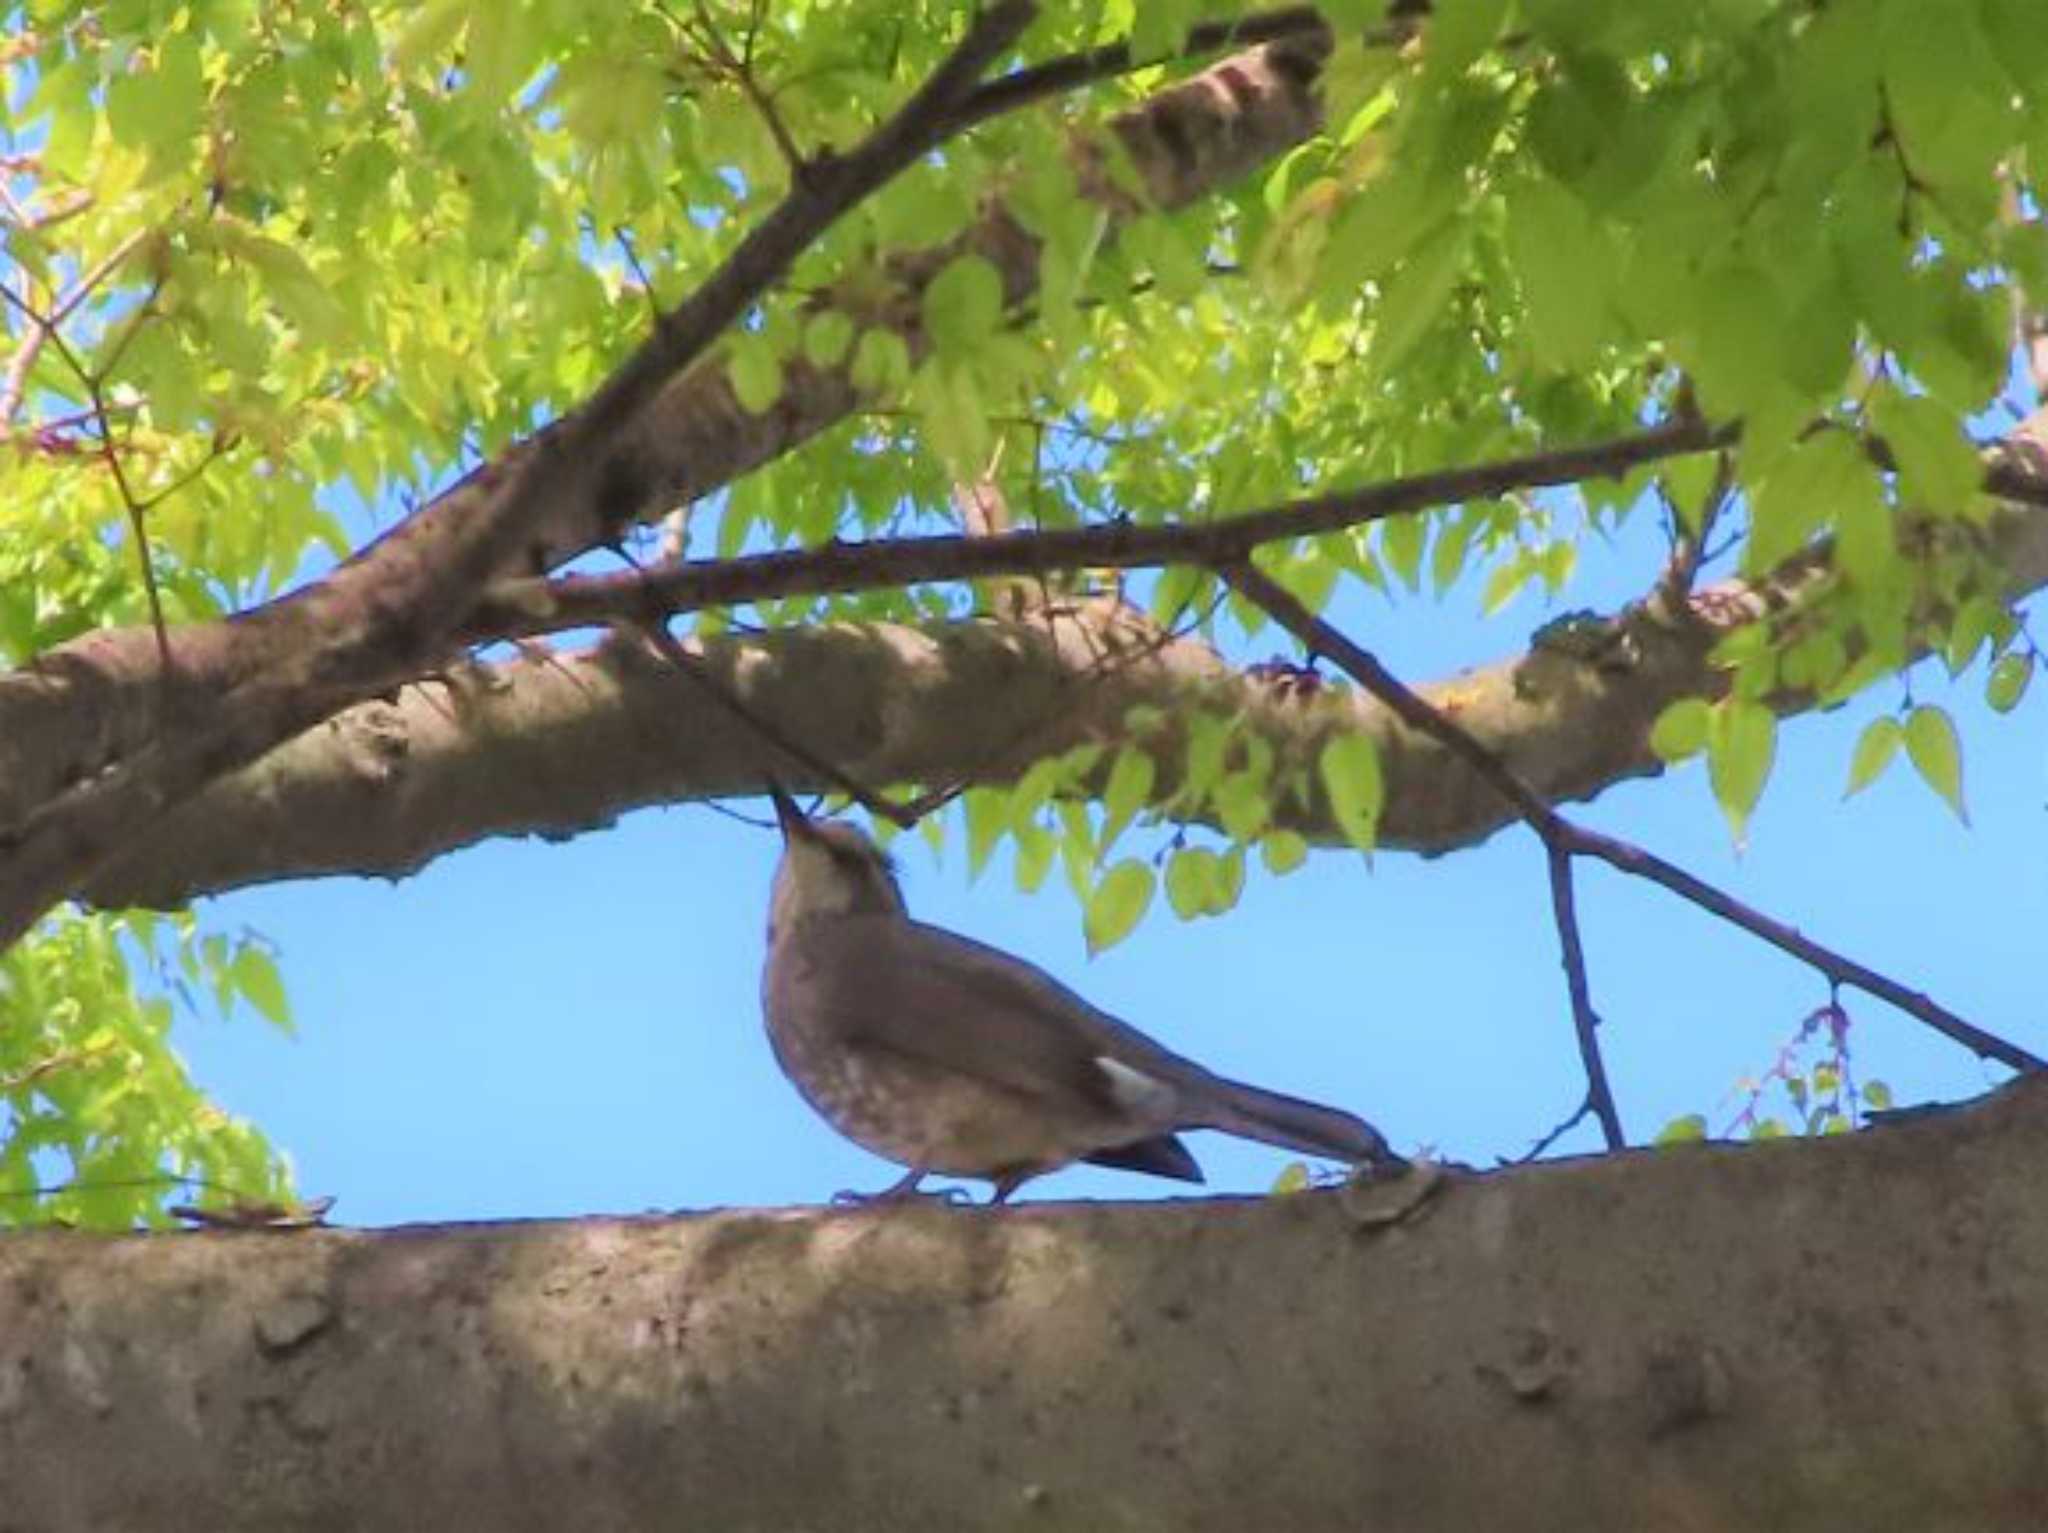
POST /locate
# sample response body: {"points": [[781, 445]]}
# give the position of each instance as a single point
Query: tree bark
{"points": [[1836, 1333], [557, 744]]}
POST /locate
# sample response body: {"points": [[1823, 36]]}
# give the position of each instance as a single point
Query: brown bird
{"points": [[946, 1055]]}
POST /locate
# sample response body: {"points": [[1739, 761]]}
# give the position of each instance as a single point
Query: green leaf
{"points": [[1459, 31], [756, 373], [1035, 848], [292, 284], [1974, 622], [962, 304], [881, 363], [1401, 542], [1191, 879], [1741, 741], [1560, 258], [262, 986], [1282, 851], [2007, 683], [1350, 767], [1208, 742], [1937, 754], [1938, 468], [1293, 1178], [988, 816], [1681, 730], [827, 337], [1877, 1095], [1690, 1129], [1128, 790], [1241, 804], [1415, 299], [1118, 904], [1875, 748]]}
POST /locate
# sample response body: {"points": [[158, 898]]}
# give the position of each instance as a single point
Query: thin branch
{"points": [[1056, 77], [1689, 549], [689, 665], [517, 607], [741, 72], [43, 326], [1585, 1021], [1562, 835], [1564, 1126]]}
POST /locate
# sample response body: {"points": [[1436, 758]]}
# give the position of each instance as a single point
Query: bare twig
{"points": [[42, 326], [1563, 835], [539, 606], [1689, 549], [1585, 1021], [741, 72], [1564, 1126], [657, 634]]}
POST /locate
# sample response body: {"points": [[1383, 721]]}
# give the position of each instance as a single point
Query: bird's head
{"points": [[827, 869]]}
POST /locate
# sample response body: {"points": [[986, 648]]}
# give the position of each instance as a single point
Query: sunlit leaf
{"points": [[1875, 747], [1118, 904], [1350, 768], [2007, 683], [1937, 754], [1681, 730], [1741, 742]]}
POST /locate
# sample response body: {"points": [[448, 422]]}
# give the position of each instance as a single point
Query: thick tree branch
{"points": [[87, 724], [1565, 836], [556, 744], [387, 612], [1807, 1336]]}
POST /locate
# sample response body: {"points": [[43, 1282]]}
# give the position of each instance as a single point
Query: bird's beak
{"points": [[792, 819]]}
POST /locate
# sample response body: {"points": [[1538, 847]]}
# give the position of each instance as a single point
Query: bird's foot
{"points": [[905, 1191]]}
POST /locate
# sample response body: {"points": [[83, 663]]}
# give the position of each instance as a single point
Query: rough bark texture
{"points": [[1846, 1333], [101, 735], [558, 744]]}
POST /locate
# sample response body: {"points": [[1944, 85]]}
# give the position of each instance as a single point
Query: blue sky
{"points": [[528, 1029]]}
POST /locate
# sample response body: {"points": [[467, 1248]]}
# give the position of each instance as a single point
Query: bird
{"points": [[951, 1057]]}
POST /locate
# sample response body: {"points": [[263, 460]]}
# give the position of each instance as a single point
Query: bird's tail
{"points": [[1306, 1127]]}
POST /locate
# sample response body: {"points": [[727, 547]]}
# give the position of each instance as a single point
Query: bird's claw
{"points": [[944, 1197]]}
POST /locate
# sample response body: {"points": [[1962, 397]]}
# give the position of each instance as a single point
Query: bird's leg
{"points": [[1009, 1181], [904, 1190]]}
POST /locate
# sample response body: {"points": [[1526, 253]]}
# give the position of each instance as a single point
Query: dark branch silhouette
{"points": [[1564, 838]]}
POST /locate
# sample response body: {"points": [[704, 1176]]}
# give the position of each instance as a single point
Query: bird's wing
{"points": [[933, 995]]}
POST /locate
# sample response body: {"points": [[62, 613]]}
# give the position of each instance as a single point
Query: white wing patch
{"points": [[1136, 1091]]}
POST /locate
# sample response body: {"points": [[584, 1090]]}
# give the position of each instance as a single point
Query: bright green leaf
{"points": [[756, 373], [1690, 1129], [1875, 748], [962, 304], [1681, 730], [988, 817], [1937, 754], [1118, 904], [257, 978], [827, 337], [1741, 742], [2007, 683], [1350, 768], [881, 363], [1191, 875], [1128, 790], [1282, 851]]}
